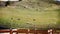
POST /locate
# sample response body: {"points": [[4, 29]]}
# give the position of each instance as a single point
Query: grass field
{"points": [[29, 18]]}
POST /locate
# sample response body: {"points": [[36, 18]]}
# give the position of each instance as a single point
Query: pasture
{"points": [[29, 18]]}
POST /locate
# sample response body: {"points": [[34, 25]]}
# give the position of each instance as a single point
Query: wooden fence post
{"points": [[11, 31]]}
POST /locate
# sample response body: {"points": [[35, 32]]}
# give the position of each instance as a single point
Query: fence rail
{"points": [[19, 31]]}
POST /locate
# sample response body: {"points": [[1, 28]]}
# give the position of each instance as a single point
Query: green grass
{"points": [[28, 18], [11, 15]]}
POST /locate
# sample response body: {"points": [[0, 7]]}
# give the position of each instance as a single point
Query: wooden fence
{"points": [[25, 31]]}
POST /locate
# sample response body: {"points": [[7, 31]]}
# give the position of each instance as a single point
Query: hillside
{"points": [[39, 14]]}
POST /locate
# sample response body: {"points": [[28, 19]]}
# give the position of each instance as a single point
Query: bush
{"points": [[2, 3]]}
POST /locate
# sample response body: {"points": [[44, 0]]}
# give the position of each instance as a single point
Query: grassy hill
{"points": [[31, 14]]}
